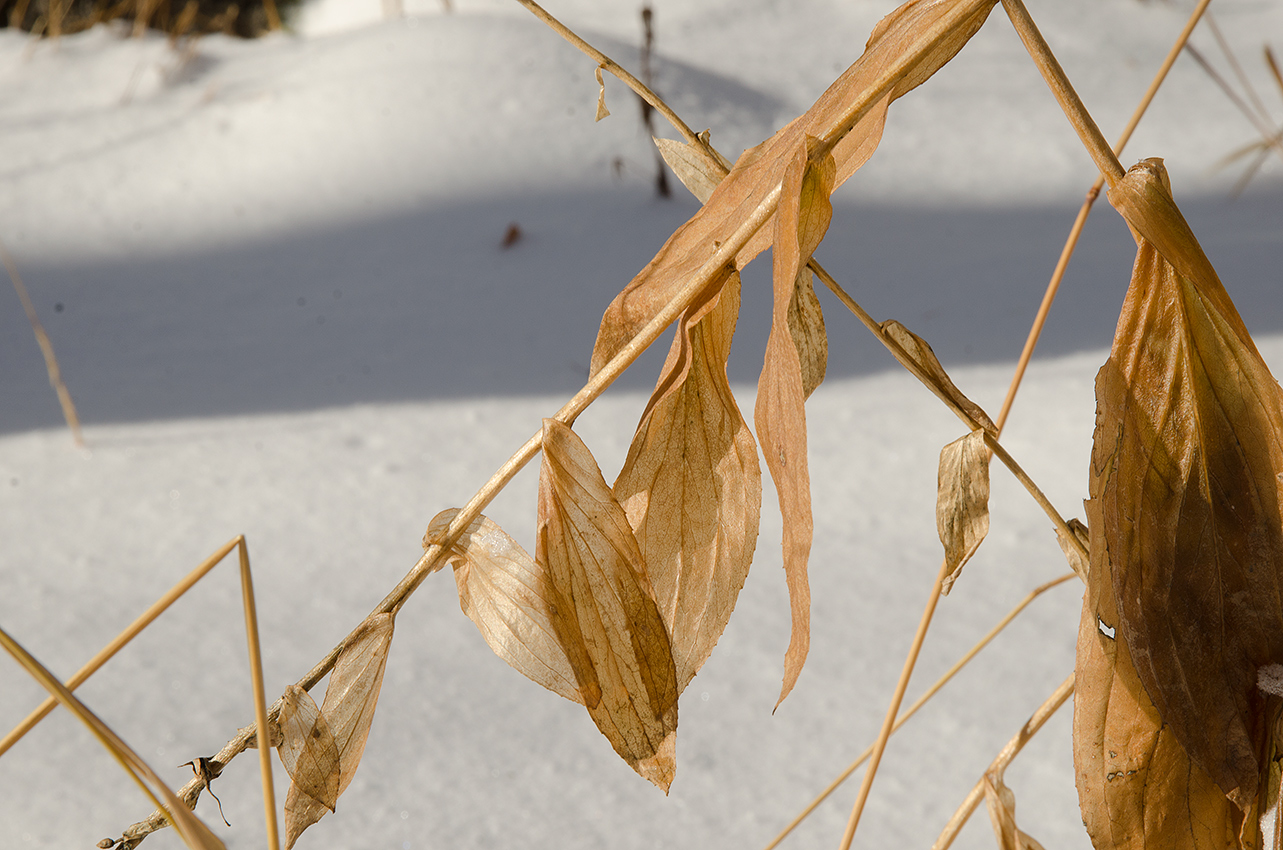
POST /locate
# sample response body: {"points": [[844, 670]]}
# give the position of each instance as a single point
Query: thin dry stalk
{"points": [[1101, 153], [131, 631], [1003, 759], [1075, 232], [260, 698], [1237, 67], [921, 701], [46, 348]]}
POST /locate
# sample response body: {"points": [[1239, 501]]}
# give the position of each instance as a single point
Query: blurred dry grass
{"points": [[178, 18]]}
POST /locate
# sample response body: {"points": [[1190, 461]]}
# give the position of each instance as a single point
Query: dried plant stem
{"points": [[1004, 758], [921, 701], [1101, 153], [1075, 232], [260, 699], [46, 348], [117, 643]]}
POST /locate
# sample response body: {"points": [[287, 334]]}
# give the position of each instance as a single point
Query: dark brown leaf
{"points": [[1185, 463], [691, 485]]}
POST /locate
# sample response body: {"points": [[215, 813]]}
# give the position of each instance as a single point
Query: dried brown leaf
{"points": [[1186, 457], [921, 356], [697, 171], [761, 169], [307, 748], [691, 485], [1137, 787], [629, 682], [511, 600], [779, 416], [962, 501], [602, 111], [806, 326], [348, 709], [1001, 803], [1073, 553]]}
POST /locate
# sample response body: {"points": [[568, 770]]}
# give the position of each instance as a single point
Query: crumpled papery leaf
{"points": [[1186, 456], [1137, 787], [691, 485], [348, 709], [1001, 803], [1073, 555], [962, 501], [698, 172], [779, 416], [627, 676], [511, 600], [806, 326], [602, 111], [924, 358], [307, 747], [760, 170]]}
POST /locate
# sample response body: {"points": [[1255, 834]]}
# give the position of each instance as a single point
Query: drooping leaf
{"points": [[1001, 803], [921, 356], [348, 709], [307, 748], [698, 172], [806, 326], [602, 111], [962, 501], [1137, 787], [629, 682], [757, 173], [779, 416], [691, 485], [1186, 456], [511, 600]]}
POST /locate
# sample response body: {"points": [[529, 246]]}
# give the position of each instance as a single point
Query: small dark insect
{"points": [[208, 769], [511, 236]]}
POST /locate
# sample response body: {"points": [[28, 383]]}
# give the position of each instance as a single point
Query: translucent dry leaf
{"points": [[511, 600], [628, 682], [921, 356], [693, 167], [1137, 787], [806, 326], [1185, 463], [602, 111], [757, 173], [780, 417], [307, 748], [691, 485], [962, 501], [1001, 803], [348, 708]]}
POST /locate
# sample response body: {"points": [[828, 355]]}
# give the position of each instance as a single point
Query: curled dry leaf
{"points": [[625, 671], [780, 418], [348, 709], [602, 111], [761, 169], [1185, 463], [307, 748], [698, 172], [806, 326], [691, 485], [1001, 803], [962, 501], [919, 357], [1137, 787], [511, 600], [1074, 553]]}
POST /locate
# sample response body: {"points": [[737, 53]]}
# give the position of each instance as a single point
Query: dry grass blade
{"points": [[906, 48], [192, 830], [801, 220], [511, 600], [627, 676], [962, 502], [1001, 803], [348, 710], [691, 485], [1186, 457]]}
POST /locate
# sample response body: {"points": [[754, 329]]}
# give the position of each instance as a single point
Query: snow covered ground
{"points": [[274, 277]]}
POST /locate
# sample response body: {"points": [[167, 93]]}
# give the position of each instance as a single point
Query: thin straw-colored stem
{"points": [[1075, 232], [921, 701], [1237, 67], [46, 348], [1101, 153], [104, 655], [260, 698], [1004, 758]]}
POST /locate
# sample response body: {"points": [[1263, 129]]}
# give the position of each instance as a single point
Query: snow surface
{"points": [[273, 275]]}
